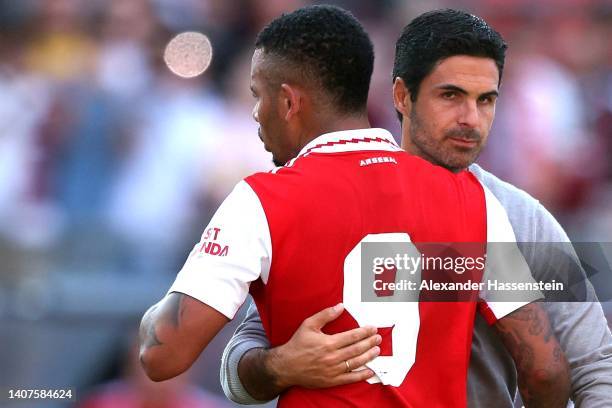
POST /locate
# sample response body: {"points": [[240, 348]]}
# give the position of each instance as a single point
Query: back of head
{"points": [[439, 34], [324, 47]]}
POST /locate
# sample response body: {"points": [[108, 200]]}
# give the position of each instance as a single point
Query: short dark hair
{"points": [[327, 45], [439, 34]]}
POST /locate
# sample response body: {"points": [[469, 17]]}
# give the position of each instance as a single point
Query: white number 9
{"points": [[402, 316]]}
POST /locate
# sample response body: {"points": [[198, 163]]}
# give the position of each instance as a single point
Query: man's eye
{"points": [[449, 95], [485, 100]]}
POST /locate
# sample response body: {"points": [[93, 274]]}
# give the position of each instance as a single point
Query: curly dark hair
{"points": [[326, 45], [439, 34]]}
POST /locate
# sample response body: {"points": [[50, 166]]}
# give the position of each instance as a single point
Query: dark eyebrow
{"points": [[450, 87], [490, 93]]}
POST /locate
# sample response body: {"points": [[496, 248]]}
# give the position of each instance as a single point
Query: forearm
{"points": [[252, 373], [542, 368], [545, 386], [249, 335]]}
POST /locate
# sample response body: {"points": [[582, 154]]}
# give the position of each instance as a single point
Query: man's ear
{"points": [[401, 97], [290, 101]]}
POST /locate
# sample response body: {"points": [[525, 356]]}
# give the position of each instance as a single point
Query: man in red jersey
{"points": [[293, 237]]}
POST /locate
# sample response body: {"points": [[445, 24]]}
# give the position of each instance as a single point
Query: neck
{"points": [[335, 125]]}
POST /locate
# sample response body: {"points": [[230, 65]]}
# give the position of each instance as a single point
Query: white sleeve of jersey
{"points": [[505, 264], [235, 249]]}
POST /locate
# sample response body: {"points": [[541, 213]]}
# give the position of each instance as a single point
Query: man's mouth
{"points": [[465, 138], [464, 142]]}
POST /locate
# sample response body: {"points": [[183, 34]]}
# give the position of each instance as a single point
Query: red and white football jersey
{"points": [[293, 238]]}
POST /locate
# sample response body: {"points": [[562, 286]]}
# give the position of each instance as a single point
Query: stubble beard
{"points": [[436, 152]]}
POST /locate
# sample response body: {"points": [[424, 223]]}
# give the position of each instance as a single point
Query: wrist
{"points": [[274, 363], [257, 376]]}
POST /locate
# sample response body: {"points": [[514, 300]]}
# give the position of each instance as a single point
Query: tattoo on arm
{"points": [[533, 318], [171, 312], [152, 339], [147, 329], [528, 336]]}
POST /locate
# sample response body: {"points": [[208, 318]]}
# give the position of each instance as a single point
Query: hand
{"points": [[313, 359]]}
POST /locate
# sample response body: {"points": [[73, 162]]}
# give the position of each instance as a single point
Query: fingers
{"points": [[359, 348], [358, 360], [352, 377], [320, 319], [352, 336]]}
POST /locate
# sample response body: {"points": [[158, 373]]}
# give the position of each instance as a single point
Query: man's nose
{"points": [[469, 114]]}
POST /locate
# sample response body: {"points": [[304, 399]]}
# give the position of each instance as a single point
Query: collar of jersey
{"points": [[351, 141]]}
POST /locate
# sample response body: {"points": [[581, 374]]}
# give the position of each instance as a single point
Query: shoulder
{"points": [[242, 209], [529, 219], [508, 194], [300, 175], [242, 195]]}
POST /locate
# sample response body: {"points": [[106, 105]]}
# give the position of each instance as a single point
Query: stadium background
{"points": [[110, 165]]}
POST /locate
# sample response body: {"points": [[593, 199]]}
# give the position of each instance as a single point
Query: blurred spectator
{"points": [[61, 47], [25, 98], [166, 170], [127, 40], [540, 132]]}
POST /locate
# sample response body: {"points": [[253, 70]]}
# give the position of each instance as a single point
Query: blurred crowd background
{"points": [[111, 165]]}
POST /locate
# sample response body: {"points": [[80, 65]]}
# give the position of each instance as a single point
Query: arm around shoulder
{"points": [[253, 374]]}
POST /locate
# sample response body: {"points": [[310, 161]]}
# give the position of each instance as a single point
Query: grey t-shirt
{"points": [[580, 327]]}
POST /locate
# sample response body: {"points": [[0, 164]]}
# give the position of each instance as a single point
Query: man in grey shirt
{"points": [[453, 141]]}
